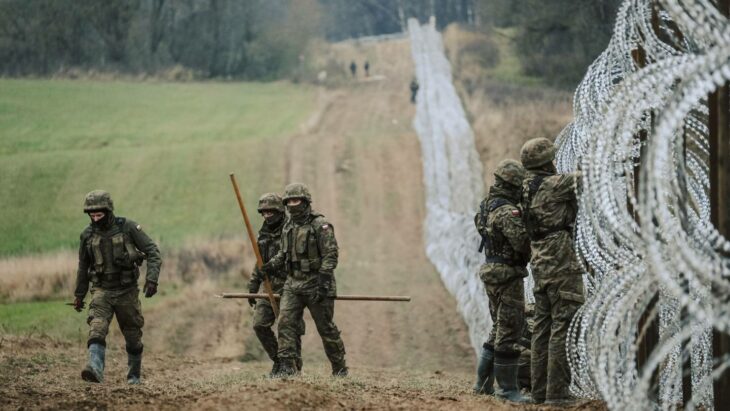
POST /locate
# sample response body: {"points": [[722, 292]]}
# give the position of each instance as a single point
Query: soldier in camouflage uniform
{"points": [[524, 363], [507, 250], [309, 256], [269, 240], [111, 250], [550, 206]]}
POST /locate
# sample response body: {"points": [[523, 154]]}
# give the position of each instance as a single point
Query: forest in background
{"points": [[555, 40]]}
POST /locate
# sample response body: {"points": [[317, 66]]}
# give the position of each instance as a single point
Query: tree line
{"points": [[257, 39], [265, 39]]}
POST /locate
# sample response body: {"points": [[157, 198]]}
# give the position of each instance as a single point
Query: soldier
{"points": [[269, 240], [507, 249], [414, 90], [309, 256], [112, 248], [550, 206], [353, 68]]}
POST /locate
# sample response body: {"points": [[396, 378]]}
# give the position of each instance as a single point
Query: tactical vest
{"points": [[114, 256], [496, 245], [301, 247], [535, 230], [269, 245]]}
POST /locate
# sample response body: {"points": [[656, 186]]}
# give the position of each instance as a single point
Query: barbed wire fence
{"points": [[645, 136]]}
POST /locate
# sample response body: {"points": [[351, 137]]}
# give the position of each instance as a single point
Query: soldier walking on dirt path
{"points": [[271, 208], [550, 207], [366, 66], [309, 255], [507, 249], [353, 69], [111, 251], [414, 90]]}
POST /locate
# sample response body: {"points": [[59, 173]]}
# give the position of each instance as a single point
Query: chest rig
{"points": [[114, 256], [301, 246]]}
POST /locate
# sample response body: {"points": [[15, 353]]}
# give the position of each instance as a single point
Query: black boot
{"points": [[134, 368], [505, 370], [287, 368], [94, 370], [339, 369], [485, 372], [275, 369]]}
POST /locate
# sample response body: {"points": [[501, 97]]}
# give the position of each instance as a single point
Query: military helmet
{"points": [[511, 171], [297, 190], [537, 152], [271, 201], [98, 200]]}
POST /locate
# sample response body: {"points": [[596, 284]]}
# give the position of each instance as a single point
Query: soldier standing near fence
{"points": [[111, 250], [507, 249], [550, 208]]}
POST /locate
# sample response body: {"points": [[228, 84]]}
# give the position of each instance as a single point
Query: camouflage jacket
{"points": [[550, 207], [111, 257], [269, 241], [308, 250], [508, 248]]}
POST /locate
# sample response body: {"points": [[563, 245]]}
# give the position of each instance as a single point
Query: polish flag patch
{"points": [[516, 213]]}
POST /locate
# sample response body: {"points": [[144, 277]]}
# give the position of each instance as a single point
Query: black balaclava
{"points": [[275, 221], [300, 212], [105, 223]]}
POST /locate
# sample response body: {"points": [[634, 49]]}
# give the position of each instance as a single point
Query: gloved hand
{"points": [[253, 288], [268, 268], [322, 288], [150, 289], [78, 304]]}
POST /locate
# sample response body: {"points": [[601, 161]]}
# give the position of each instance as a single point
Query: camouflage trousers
{"points": [[523, 369], [263, 321], [556, 302], [290, 315], [507, 308], [125, 304]]}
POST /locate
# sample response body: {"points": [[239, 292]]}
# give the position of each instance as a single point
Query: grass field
{"points": [[163, 150]]}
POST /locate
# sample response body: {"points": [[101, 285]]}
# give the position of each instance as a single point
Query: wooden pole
{"points": [[255, 245], [339, 297]]}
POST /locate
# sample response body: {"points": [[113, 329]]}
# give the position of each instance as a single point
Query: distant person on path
{"points": [[271, 209], [353, 68], [309, 255], [507, 250], [414, 90], [367, 68], [550, 206], [111, 251]]}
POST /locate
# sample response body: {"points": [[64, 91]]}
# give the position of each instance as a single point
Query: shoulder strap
{"points": [[531, 224], [496, 203]]}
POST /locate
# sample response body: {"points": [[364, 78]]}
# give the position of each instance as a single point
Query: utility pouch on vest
{"points": [[300, 243], [96, 252], [304, 266]]}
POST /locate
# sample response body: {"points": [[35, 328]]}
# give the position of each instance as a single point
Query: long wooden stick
{"points": [[255, 245], [339, 297]]}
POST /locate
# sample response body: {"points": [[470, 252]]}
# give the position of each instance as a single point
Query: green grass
{"points": [[163, 150], [509, 69], [57, 320], [51, 318]]}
